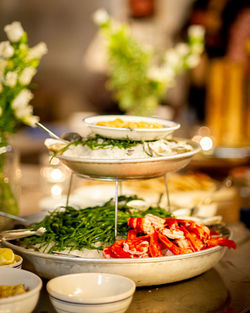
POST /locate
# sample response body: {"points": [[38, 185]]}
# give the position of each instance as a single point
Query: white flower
{"points": [[168, 73], [21, 112], [22, 99], [155, 73], [197, 48], [26, 115], [161, 74], [182, 49], [31, 120], [14, 31], [37, 51], [196, 31], [27, 75], [10, 79], [100, 17], [3, 64], [193, 60], [6, 50], [172, 58]]}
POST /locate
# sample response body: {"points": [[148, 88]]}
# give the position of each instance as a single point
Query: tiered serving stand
{"points": [[144, 271], [133, 169]]}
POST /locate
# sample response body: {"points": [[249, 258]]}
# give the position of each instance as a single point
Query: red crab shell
{"points": [[164, 236]]}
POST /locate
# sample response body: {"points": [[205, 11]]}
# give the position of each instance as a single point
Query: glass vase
{"points": [[9, 184]]}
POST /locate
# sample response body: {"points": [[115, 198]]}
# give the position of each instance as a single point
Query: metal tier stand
{"points": [[118, 190], [122, 170]]}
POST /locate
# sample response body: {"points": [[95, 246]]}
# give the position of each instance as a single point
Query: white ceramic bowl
{"points": [[24, 303], [17, 264], [132, 133], [91, 293]]}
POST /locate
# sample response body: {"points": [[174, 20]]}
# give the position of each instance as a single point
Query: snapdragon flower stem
{"points": [[8, 201]]}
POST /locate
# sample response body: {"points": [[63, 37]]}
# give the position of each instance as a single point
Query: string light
{"points": [[206, 143], [54, 176], [57, 175], [56, 191], [205, 139]]}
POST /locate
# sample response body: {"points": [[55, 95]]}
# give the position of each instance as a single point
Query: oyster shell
{"points": [[138, 204], [54, 145]]}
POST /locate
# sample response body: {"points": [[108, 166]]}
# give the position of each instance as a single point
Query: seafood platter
{"points": [[124, 235]]}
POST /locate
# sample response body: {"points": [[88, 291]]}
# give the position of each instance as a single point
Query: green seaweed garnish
{"points": [[90, 228]]}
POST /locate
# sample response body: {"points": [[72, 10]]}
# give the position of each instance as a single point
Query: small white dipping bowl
{"points": [[17, 264], [26, 302], [91, 292]]}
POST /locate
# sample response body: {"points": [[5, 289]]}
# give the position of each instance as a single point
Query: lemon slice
{"points": [[7, 256]]}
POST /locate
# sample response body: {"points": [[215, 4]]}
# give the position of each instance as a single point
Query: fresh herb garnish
{"points": [[99, 142], [73, 229]]}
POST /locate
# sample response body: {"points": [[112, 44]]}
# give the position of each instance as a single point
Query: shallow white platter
{"points": [[144, 271], [140, 134], [124, 169]]}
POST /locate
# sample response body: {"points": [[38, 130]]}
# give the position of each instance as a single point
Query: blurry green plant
{"points": [[18, 64], [137, 83]]}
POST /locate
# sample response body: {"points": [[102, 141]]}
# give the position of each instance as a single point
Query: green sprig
{"points": [[74, 229]]}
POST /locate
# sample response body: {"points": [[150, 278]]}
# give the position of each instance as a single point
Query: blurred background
{"points": [[72, 72], [211, 101], [72, 76]]}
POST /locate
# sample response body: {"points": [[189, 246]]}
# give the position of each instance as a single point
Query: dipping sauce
{"points": [[123, 124]]}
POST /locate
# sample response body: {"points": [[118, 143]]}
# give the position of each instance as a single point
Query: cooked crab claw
{"points": [[128, 248], [164, 236], [221, 242]]}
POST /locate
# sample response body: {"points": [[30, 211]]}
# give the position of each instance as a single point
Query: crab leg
{"points": [[173, 231], [131, 234], [179, 236], [146, 225], [222, 242], [117, 250], [108, 254], [169, 244], [195, 242], [141, 225], [154, 246], [185, 245], [201, 231], [136, 248]]}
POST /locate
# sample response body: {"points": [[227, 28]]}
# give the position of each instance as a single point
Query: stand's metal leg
{"points": [[167, 192], [120, 188], [116, 205], [69, 188]]}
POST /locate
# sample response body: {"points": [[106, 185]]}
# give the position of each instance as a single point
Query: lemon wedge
{"points": [[7, 256]]}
